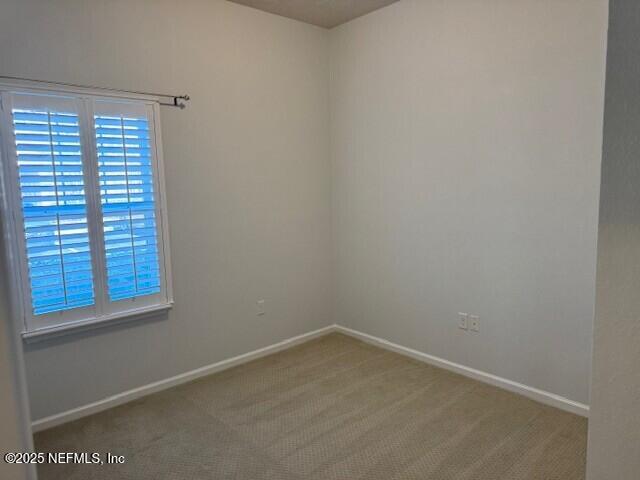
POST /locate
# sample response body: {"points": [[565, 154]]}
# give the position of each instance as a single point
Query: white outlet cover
{"points": [[463, 321], [474, 323], [260, 307]]}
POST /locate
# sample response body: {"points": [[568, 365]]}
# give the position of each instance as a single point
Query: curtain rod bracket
{"points": [[177, 103]]}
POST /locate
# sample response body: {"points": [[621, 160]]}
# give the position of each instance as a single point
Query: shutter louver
{"points": [[128, 206], [51, 183]]}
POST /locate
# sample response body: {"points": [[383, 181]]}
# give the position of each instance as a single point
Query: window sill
{"points": [[84, 325]]}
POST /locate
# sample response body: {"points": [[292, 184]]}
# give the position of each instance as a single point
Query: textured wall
{"points": [[247, 178], [466, 141], [614, 427]]}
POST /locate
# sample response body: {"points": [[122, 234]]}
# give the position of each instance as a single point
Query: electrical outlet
{"points": [[260, 310], [474, 323], [463, 319]]}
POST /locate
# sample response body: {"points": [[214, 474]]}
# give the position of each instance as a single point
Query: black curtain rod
{"points": [[178, 100]]}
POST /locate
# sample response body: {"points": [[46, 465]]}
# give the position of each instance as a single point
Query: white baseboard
{"points": [[129, 395], [124, 397], [530, 392]]}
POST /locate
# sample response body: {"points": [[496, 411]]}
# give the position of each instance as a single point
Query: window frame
{"points": [[103, 311]]}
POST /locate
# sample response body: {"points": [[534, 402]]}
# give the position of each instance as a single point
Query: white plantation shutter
{"points": [[128, 206], [54, 209], [45, 167], [84, 178]]}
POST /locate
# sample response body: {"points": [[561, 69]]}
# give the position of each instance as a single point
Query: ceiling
{"points": [[324, 13]]}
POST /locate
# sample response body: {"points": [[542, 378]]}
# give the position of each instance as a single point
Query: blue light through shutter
{"points": [[54, 210], [128, 206]]}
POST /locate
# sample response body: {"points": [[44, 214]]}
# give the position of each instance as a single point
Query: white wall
{"points": [[614, 425], [13, 429], [247, 177], [15, 435], [466, 141]]}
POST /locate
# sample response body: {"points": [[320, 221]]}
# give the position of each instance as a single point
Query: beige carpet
{"points": [[333, 408]]}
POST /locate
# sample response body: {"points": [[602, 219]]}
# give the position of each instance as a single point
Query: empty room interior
{"points": [[320, 240]]}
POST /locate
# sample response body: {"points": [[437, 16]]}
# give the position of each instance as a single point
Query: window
{"points": [[84, 208]]}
